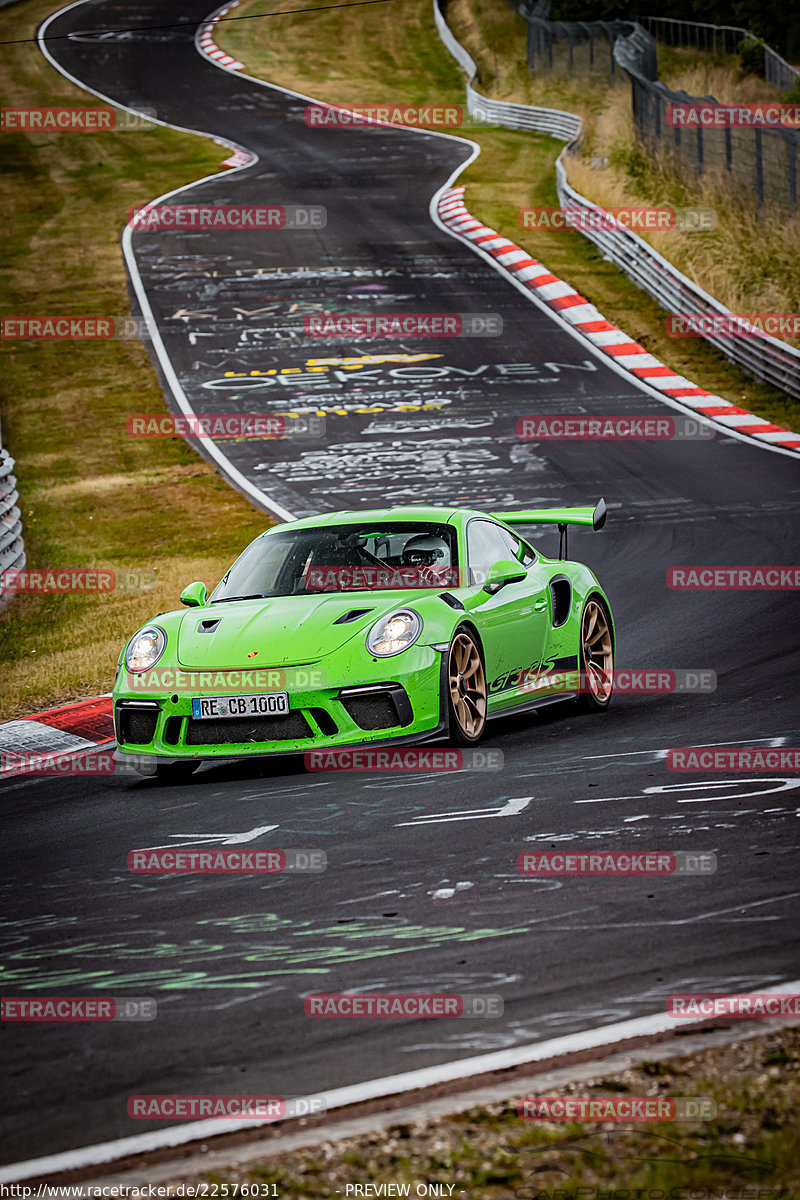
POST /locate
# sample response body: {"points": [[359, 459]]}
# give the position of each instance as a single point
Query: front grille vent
{"points": [[237, 731], [136, 726]]}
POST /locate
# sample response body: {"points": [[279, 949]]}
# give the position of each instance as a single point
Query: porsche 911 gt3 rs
{"points": [[390, 626]]}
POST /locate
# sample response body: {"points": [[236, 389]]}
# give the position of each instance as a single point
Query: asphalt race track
{"points": [[422, 891]]}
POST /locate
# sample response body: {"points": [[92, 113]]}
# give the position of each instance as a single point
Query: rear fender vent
{"points": [[561, 598]]}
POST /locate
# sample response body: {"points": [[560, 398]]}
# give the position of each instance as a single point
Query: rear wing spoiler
{"points": [[562, 517]]}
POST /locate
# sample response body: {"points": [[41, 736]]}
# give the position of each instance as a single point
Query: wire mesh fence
{"points": [[721, 39], [752, 150], [765, 357]]}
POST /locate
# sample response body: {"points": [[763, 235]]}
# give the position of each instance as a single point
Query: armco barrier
{"points": [[560, 124], [766, 358], [12, 547], [458, 52]]}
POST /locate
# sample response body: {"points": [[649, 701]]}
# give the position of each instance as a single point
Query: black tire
{"points": [[467, 693], [596, 657]]}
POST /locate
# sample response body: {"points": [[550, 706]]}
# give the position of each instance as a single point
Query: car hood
{"points": [[283, 631]]}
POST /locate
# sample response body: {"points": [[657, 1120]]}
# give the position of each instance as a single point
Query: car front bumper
{"points": [[396, 700]]}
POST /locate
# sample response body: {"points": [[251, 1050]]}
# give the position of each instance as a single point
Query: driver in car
{"points": [[429, 556]]}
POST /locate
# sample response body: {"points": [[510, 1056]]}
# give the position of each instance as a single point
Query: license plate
{"points": [[262, 704]]}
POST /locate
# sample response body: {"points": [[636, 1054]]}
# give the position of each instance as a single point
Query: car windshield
{"points": [[344, 558]]}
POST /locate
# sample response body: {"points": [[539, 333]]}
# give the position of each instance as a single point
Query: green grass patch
{"points": [[90, 495], [749, 1150]]}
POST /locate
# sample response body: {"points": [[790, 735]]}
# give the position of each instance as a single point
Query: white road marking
{"points": [[670, 789], [772, 742], [370, 1089], [223, 839], [446, 893], [509, 809]]}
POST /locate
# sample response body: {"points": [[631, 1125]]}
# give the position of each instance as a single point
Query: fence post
{"points": [[791, 168], [759, 168]]}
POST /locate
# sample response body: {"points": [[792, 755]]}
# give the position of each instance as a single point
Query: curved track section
{"points": [[421, 891]]}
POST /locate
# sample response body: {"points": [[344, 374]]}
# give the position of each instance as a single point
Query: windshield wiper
{"points": [[225, 599]]}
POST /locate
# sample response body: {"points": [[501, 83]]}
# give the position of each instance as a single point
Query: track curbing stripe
{"points": [[586, 321]]}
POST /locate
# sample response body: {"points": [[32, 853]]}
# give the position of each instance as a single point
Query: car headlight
{"points": [[145, 649], [394, 633]]}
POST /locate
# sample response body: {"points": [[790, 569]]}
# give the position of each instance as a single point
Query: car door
{"points": [[514, 622]]}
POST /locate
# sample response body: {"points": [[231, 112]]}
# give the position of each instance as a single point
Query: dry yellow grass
{"points": [[751, 261]]}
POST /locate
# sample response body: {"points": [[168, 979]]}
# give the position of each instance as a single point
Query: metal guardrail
{"points": [[456, 49], [762, 356], [554, 121], [726, 38], [12, 547], [765, 357], [502, 112]]}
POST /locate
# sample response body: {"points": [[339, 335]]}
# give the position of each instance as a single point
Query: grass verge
{"points": [[393, 54], [747, 1152], [91, 495]]}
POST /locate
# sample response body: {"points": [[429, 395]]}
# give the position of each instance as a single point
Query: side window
{"points": [[517, 549], [487, 543]]}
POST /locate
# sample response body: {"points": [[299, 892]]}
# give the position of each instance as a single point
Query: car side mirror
{"points": [[194, 595], [507, 570]]}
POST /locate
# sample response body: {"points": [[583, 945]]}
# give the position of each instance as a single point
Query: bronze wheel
{"points": [[597, 656], [466, 681]]}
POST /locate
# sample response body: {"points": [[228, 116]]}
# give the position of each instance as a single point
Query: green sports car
{"points": [[393, 626]]}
